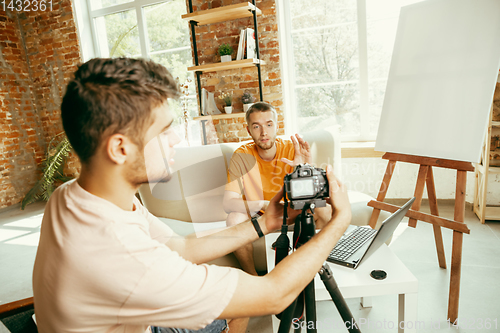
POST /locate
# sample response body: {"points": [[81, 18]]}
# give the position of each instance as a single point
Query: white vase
{"points": [[228, 109], [208, 106], [246, 107], [225, 58]]}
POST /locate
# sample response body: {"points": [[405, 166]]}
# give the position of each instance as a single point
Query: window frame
{"points": [[85, 19], [88, 36], [288, 71]]}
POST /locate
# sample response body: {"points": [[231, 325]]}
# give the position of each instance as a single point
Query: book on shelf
{"points": [[250, 43], [246, 45], [241, 45]]}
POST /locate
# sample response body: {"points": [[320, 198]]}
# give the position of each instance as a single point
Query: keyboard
{"points": [[351, 243]]}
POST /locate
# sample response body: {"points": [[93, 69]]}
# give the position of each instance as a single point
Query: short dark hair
{"points": [[109, 96], [260, 107]]}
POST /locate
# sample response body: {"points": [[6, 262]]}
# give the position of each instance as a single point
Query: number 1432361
{"points": [[26, 5]]}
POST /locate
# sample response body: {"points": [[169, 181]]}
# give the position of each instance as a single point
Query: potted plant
{"points": [[58, 150], [225, 51], [227, 98], [247, 99]]}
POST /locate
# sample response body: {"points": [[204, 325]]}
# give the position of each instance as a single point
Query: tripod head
{"points": [[304, 227]]}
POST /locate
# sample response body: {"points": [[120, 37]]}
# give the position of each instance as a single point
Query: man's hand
{"points": [[274, 212], [338, 196], [302, 152]]}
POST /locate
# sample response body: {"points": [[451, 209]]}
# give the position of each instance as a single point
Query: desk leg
{"points": [[204, 131], [407, 314], [275, 324]]}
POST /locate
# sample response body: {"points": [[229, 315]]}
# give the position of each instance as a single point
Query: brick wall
{"points": [[21, 142], [38, 53], [209, 37]]}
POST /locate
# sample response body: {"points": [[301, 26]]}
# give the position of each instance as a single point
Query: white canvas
{"points": [[440, 88]]}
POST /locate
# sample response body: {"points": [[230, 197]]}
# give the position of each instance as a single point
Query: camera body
{"points": [[306, 185]]}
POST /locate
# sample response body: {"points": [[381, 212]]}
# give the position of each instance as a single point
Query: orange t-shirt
{"points": [[255, 178]]}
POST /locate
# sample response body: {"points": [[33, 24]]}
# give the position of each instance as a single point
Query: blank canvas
{"points": [[443, 71]]}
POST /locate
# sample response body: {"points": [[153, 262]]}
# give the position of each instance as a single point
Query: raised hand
{"points": [[302, 152]]}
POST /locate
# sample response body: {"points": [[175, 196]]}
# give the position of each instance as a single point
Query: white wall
{"points": [[366, 174]]}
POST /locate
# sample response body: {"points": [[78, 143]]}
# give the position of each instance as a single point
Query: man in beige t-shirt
{"points": [[105, 264]]}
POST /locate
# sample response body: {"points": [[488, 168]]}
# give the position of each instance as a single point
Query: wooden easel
{"points": [[425, 177]]}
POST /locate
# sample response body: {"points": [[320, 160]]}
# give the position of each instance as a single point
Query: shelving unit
{"points": [[222, 116], [221, 66], [221, 14], [483, 170]]}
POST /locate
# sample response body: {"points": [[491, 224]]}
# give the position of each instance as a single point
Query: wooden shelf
{"points": [[492, 169], [222, 116], [492, 213], [222, 66], [482, 172], [222, 14]]}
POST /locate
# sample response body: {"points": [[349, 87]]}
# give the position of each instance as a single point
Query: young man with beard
{"points": [[256, 173], [105, 264]]}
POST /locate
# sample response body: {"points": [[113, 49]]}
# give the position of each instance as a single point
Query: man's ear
{"points": [[117, 148]]}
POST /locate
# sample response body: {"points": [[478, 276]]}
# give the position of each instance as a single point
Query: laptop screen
{"points": [[387, 229]]}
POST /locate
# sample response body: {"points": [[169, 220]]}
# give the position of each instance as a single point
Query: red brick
{"points": [[244, 85], [273, 75], [272, 82]]}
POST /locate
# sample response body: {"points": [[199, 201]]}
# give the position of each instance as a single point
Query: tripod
{"points": [[304, 230]]}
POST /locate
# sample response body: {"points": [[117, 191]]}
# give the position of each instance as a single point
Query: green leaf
{"points": [[52, 170]]}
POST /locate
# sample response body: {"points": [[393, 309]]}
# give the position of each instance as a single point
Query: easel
{"points": [[425, 177]]}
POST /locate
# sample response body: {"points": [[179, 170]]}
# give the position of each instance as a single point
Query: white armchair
{"points": [[192, 200]]}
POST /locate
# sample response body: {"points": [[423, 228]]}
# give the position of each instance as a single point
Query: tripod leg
{"points": [[338, 299], [310, 304], [298, 314], [293, 314], [287, 316]]}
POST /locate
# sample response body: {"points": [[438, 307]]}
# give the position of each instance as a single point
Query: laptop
{"points": [[360, 242]]}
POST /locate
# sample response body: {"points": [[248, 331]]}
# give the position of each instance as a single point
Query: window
{"points": [[150, 29], [337, 56]]}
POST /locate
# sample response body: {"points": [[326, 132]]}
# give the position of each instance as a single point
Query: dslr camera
{"points": [[306, 185]]}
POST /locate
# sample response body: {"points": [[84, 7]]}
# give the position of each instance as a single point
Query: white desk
{"points": [[358, 283]]}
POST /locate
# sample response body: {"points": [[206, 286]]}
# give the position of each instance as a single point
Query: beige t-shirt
{"points": [[102, 269]]}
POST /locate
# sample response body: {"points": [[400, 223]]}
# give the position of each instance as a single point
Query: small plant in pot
{"points": [[225, 51], [227, 98], [247, 99]]}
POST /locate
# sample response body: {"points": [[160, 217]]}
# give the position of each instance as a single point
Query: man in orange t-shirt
{"points": [[256, 173]]}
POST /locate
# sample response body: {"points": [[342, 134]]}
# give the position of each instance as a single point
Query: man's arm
{"points": [[297, 270], [233, 202], [203, 249]]}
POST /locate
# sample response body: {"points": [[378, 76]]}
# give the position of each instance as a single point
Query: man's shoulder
{"points": [[60, 193]]}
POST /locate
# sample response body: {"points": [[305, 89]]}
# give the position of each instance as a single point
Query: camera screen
{"points": [[302, 187]]}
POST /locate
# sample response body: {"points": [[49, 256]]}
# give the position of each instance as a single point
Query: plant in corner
{"points": [[247, 99], [52, 171], [225, 51], [227, 98]]}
